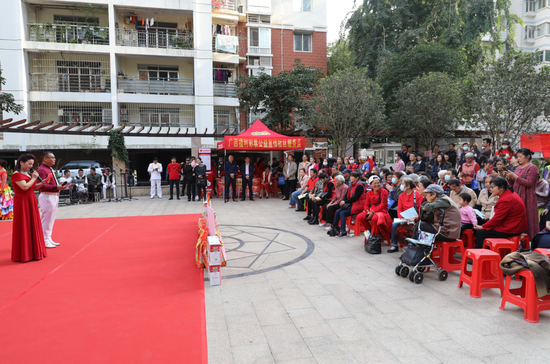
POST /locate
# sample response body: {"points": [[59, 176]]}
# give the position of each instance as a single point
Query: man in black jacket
{"points": [[189, 180], [247, 170]]}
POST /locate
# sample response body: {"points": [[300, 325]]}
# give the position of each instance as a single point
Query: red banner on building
{"points": [[531, 141]]}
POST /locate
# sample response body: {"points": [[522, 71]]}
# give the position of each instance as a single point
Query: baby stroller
{"points": [[418, 256]]}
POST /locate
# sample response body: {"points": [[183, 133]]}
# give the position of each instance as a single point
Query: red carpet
{"points": [[117, 290]]}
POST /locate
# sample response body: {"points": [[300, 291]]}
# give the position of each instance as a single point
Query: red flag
{"points": [[531, 141], [545, 142]]}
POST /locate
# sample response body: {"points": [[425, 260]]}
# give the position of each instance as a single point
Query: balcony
{"points": [[225, 5], [154, 39], [65, 82], [231, 47], [225, 89], [67, 33], [156, 86]]}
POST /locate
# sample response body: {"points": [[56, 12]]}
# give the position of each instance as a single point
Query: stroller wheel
{"points": [[398, 270], [418, 278], [443, 275], [411, 275], [421, 269], [404, 272]]}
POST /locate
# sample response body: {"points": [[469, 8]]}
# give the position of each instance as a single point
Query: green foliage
{"points": [[7, 101], [507, 96], [339, 56], [429, 108], [91, 12], [117, 147], [279, 95], [399, 68], [379, 27], [348, 106], [9, 169]]}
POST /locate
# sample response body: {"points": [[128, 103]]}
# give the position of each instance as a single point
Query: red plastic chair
{"points": [[321, 209], [501, 246], [356, 226], [544, 251], [469, 239], [526, 296], [485, 271], [443, 255]]}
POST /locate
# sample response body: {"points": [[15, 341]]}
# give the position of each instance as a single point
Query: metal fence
{"points": [[157, 115], [225, 89], [67, 33], [64, 82], [229, 5], [171, 39], [157, 86], [72, 112]]}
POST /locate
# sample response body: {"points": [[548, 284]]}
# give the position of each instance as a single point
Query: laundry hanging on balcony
{"points": [[227, 43]]}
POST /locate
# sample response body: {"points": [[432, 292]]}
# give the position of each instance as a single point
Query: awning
{"points": [[259, 138]]}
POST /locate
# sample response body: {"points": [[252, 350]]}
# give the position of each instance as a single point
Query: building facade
{"points": [[534, 36], [167, 63]]}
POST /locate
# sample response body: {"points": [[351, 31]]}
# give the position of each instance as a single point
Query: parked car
{"points": [[74, 166]]}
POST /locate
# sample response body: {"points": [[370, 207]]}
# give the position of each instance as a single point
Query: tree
{"points": [[339, 56], [117, 147], [508, 96], [379, 27], [347, 106], [279, 96], [7, 101], [399, 68], [429, 108]]}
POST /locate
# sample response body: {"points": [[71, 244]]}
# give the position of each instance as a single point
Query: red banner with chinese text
{"points": [[531, 141], [260, 138]]}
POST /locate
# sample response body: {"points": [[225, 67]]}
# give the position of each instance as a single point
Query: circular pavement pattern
{"points": [[255, 249]]}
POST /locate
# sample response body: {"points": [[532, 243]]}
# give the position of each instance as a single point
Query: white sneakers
{"points": [[53, 242], [323, 224], [328, 228], [50, 245]]}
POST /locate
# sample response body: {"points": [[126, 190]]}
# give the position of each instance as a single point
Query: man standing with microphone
{"points": [[49, 197]]}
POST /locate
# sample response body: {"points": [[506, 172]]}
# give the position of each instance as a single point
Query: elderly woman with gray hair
{"points": [[469, 169], [446, 215]]}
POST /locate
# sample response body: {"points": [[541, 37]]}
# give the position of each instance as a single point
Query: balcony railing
{"points": [[64, 82], [156, 86], [67, 33], [225, 89], [259, 50], [154, 39], [227, 5]]}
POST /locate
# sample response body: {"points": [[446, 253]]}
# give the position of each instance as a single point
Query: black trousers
{"points": [[190, 188], [172, 183], [91, 191], [290, 186], [247, 183], [317, 206], [481, 235], [330, 213], [233, 183], [199, 188]]}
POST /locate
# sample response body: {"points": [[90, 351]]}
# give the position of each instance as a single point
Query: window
{"points": [[79, 76], [529, 32], [302, 42], [260, 40], [152, 72], [161, 116], [259, 6], [530, 6], [80, 114], [302, 5], [541, 4]]}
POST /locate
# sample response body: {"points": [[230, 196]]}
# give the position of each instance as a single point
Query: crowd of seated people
{"points": [[493, 196]]}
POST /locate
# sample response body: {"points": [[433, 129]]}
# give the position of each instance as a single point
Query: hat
{"points": [[373, 178], [434, 189], [507, 142], [107, 169], [347, 170]]}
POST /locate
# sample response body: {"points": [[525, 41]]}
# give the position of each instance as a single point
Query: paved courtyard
{"points": [[291, 294]]}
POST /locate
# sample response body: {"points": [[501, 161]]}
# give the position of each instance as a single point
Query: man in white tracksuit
{"points": [[49, 197], [155, 171]]}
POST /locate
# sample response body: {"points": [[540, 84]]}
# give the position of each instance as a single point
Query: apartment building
{"points": [[534, 36], [152, 64]]}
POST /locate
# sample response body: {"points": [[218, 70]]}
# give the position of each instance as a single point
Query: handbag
{"points": [[201, 181], [346, 206], [281, 180], [475, 183]]}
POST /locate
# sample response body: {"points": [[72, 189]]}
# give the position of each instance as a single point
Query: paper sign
{"points": [[479, 213], [409, 213]]}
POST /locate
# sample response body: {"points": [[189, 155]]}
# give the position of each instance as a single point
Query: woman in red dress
{"points": [[266, 183], [375, 216], [27, 238]]}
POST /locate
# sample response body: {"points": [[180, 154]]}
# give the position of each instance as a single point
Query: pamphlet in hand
{"points": [[424, 238], [367, 234], [480, 214], [409, 213], [303, 195]]}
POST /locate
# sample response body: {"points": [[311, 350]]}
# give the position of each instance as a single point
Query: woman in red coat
{"points": [[376, 217], [510, 217], [27, 238]]}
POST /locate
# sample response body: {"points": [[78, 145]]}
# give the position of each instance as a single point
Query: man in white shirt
{"points": [[155, 171], [108, 182]]}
